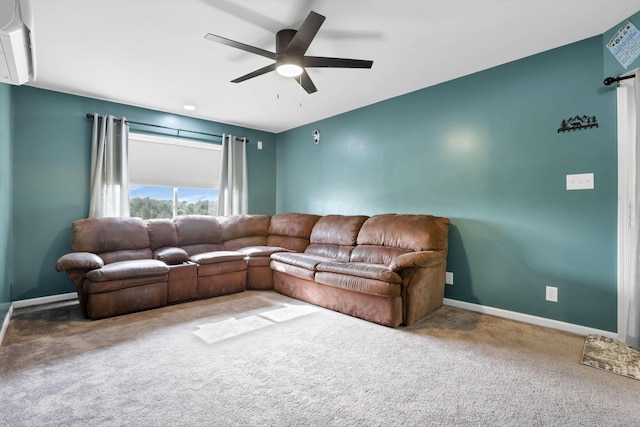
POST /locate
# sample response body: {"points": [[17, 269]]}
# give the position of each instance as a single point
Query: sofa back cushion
{"points": [[198, 233], [291, 230], [241, 231], [113, 239], [162, 233], [383, 237], [335, 236]]}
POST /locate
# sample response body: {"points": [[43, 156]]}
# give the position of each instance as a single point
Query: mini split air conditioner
{"points": [[15, 53]]}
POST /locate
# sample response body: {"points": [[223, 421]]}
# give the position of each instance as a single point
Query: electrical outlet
{"points": [[552, 294], [448, 278]]}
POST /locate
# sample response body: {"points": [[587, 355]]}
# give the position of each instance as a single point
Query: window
{"points": [[172, 176]]}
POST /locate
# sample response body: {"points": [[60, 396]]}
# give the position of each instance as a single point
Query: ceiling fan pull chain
{"points": [[300, 89], [277, 86]]}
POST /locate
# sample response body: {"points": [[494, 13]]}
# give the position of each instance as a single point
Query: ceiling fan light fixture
{"points": [[290, 58], [289, 70]]}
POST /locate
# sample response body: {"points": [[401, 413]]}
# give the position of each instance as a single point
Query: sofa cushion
{"points": [[291, 230], [359, 269], [334, 236], [162, 233], [261, 251], [216, 257], [337, 230], [292, 270], [372, 254], [358, 284], [336, 252], [244, 230], [128, 269], [193, 230], [382, 238], [202, 248], [110, 234], [300, 260], [141, 283], [125, 255], [413, 232], [221, 268]]}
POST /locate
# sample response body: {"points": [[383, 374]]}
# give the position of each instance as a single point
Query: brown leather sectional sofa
{"points": [[387, 269]]}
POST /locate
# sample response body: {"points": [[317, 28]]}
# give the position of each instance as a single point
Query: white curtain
{"points": [[628, 95], [109, 167], [233, 193]]}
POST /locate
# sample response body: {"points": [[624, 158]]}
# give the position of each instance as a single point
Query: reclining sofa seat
{"points": [[112, 267], [387, 269], [183, 283], [220, 271]]}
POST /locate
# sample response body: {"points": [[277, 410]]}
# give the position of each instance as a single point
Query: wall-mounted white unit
{"points": [[15, 54]]}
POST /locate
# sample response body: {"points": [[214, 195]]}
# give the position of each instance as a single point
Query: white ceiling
{"points": [[152, 53]]}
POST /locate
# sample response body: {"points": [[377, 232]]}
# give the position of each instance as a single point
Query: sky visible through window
{"points": [[189, 195]]}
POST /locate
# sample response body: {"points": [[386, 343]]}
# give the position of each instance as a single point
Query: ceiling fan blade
{"points": [[305, 81], [242, 46], [256, 73], [308, 30], [319, 61]]}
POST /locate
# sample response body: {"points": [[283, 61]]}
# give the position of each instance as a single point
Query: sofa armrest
{"points": [[79, 260], [171, 255], [416, 259]]}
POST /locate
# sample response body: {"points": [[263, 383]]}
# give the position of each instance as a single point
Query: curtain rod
{"points": [[90, 116], [611, 80]]}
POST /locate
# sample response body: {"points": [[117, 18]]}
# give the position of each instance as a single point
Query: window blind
{"points": [[173, 162]]}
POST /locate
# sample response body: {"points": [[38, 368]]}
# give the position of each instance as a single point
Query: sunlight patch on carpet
{"points": [[288, 312], [611, 355], [228, 328], [233, 327]]}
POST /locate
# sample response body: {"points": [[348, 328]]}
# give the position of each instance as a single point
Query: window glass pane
{"points": [[151, 202], [197, 201]]}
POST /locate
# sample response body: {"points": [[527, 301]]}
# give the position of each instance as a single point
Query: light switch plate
{"points": [[580, 181]]}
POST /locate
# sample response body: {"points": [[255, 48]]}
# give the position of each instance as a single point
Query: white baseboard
{"points": [[513, 315], [32, 302], [527, 318], [44, 300], [5, 323]]}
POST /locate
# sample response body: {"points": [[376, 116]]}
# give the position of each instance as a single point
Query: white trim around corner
{"points": [[527, 318], [44, 300], [5, 324]]}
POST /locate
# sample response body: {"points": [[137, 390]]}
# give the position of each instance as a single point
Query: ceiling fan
{"points": [[290, 59]]}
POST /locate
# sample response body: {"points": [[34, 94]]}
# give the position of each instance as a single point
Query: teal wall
{"points": [[484, 151], [611, 65], [51, 162], [5, 200]]}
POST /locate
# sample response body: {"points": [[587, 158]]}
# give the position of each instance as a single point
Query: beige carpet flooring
{"points": [[262, 359]]}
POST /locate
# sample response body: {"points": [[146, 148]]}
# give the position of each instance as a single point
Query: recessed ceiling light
{"points": [[189, 107]]}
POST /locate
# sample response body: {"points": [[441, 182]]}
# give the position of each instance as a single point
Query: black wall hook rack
{"points": [[578, 123]]}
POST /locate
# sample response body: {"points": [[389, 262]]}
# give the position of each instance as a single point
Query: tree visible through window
{"points": [[159, 202]]}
